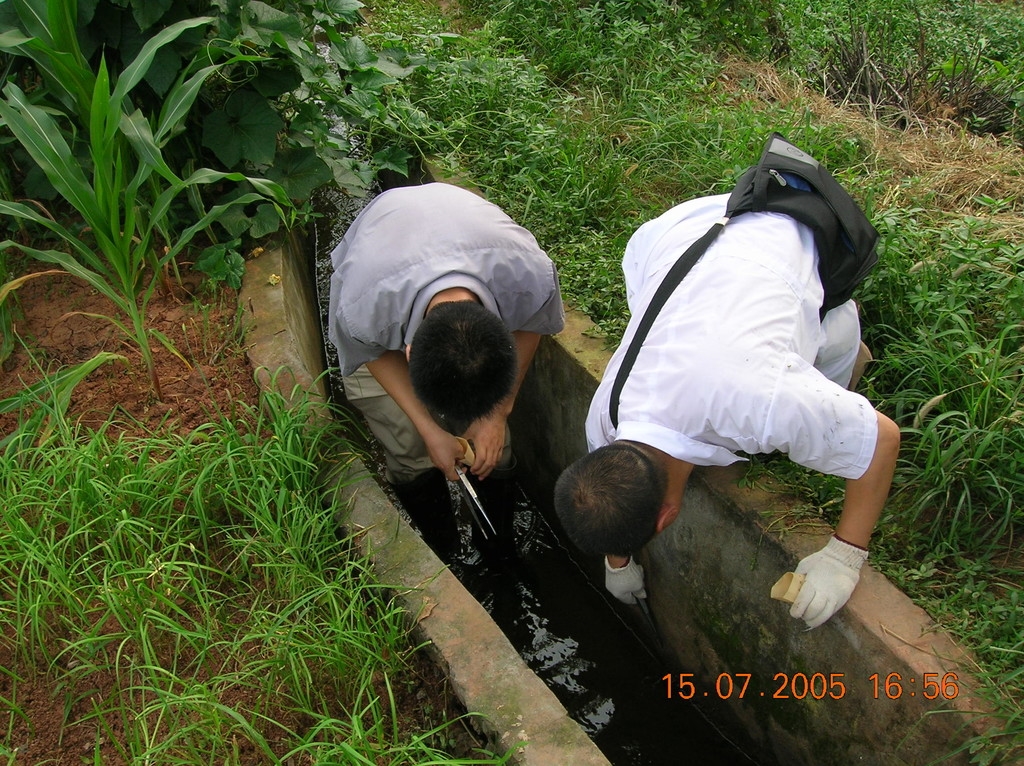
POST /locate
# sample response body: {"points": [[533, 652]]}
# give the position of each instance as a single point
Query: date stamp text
{"points": [[819, 686]]}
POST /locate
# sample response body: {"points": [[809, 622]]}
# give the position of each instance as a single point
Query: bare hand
{"points": [[444, 450], [488, 437]]}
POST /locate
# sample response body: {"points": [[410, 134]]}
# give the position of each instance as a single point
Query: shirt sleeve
{"points": [[819, 424], [550, 317], [352, 353]]}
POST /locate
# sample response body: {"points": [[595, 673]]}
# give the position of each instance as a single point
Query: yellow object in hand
{"points": [[467, 451], [788, 587]]}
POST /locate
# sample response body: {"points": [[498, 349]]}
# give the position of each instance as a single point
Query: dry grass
{"points": [[932, 161]]}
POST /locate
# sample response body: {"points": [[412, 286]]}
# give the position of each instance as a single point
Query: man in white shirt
{"points": [[737, 360], [438, 301]]}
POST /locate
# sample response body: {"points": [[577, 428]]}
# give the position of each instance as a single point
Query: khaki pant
{"points": [[405, 451]]}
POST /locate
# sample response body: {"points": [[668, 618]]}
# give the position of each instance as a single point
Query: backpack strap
{"points": [[675, 275]]}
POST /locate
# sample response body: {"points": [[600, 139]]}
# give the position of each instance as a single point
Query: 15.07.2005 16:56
{"points": [[817, 686]]}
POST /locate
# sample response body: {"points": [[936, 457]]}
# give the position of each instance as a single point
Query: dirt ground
{"points": [[52, 329]]}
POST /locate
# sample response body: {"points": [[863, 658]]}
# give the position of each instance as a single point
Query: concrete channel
{"points": [[814, 698]]}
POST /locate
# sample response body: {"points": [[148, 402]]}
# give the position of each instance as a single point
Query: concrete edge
{"points": [[278, 331], [904, 628], [516, 710]]}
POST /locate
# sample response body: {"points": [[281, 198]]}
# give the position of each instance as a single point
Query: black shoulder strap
{"points": [[675, 275]]}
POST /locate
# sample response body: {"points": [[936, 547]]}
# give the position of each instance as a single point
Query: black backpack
{"points": [[844, 237]]}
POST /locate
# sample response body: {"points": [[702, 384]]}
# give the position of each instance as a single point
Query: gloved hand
{"points": [[831, 575], [625, 583]]}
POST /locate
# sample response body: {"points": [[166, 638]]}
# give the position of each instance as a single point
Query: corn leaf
{"points": [[41, 137], [211, 216], [62, 27], [178, 104], [139, 132], [9, 287], [72, 266], [136, 70], [11, 41], [33, 14], [18, 210], [55, 50]]}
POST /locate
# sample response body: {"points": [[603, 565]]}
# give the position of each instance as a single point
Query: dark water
{"points": [[596, 662]]}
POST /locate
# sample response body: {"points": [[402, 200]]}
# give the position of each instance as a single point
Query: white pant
{"points": [[837, 356]]}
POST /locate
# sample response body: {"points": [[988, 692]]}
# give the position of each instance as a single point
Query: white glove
{"points": [[831, 575], [625, 583]]}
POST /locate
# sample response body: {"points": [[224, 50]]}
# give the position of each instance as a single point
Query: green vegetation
{"points": [[188, 599], [185, 597], [108, 109], [138, 132], [46, 402], [585, 120], [126, 204]]}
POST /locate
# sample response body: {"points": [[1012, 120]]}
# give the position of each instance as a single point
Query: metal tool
{"points": [[645, 610], [476, 508]]}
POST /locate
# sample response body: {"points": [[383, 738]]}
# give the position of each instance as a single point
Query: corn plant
{"points": [[126, 196], [305, 101]]}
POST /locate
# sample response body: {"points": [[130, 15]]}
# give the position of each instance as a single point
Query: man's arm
{"points": [[832, 573], [624, 578], [866, 496], [391, 369], [488, 433]]}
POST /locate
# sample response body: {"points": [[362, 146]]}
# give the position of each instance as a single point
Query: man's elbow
{"points": [[888, 441]]}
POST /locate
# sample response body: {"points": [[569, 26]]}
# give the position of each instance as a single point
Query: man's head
{"points": [[462, 362], [609, 501]]}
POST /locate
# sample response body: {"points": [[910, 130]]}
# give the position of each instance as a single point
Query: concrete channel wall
{"points": [[708, 580]]}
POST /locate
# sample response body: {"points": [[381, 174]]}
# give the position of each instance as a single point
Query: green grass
{"points": [[585, 120], [188, 598]]}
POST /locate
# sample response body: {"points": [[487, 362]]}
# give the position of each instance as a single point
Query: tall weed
{"points": [[944, 316], [203, 576]]}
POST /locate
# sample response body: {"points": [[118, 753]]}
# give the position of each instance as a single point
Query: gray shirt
{"points": [[414, 241]]}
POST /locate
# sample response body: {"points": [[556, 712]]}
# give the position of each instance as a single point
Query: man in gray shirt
{"points": [[438, 301]]}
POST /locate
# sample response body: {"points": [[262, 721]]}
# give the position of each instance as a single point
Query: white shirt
{"points": [[729, 364]]}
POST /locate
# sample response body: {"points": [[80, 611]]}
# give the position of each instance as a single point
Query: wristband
{"points": [[853, 545]]}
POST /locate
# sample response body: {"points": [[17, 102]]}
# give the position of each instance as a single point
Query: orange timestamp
{"points": [[814, 685]]}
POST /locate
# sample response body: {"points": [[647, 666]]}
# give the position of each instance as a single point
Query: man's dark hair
{"points": [[608, 501], [462, 363]]}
